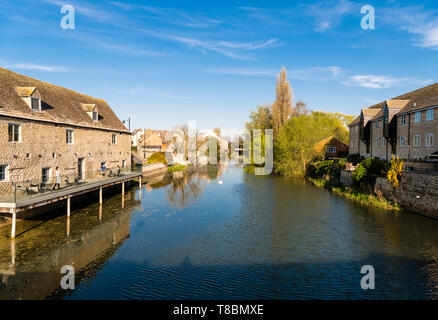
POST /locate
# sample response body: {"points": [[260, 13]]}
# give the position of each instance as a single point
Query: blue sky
{"points": [[166, 62]]}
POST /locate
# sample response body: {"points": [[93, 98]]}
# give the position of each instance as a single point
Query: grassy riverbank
{"points": [[360, 197], [179, 167]]}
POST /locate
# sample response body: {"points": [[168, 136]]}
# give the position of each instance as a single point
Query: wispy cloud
{"points": [[327, 15], [311, 73], [381, 82], [417, 20], [148, 91], [226, 48], [38, 67]]}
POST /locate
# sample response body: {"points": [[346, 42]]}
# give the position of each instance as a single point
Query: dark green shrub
{"points": [[369, 168], [354, 159]]}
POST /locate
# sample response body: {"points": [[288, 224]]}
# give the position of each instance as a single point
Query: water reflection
{"points": [[247, 238], [30, 264], [185, 187]]}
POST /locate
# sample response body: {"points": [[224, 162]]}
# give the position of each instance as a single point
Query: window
{"points": [[45, 175], [14, 132], [417, 117], [331, 149], [35, 104], [417, 140], [95, 116], [124, 164], [429, 140], [114, 139], [377, 142], [402, 141], [3, 173], [383, 142], [377, 125], [69, 136], [429, 115], [403, 120]]}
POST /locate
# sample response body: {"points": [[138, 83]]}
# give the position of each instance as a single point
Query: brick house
{"points": [[404, 126], [43, 126], [333, 148]]}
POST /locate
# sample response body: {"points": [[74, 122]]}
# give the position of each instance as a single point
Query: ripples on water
{"points": [[190, 237]]}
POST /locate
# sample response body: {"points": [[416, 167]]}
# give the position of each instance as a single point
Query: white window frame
{"points": [[95, 115], [331, 149], [429, 140], [403, 120], [429, 115], [377, 142], [417, 140], [6, 166], [72, 140], [382, 142], [402, 141], [417, 117], [13, 131]]}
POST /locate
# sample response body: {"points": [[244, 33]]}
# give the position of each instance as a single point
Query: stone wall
{"points": [[418, 192], [43, 145]]}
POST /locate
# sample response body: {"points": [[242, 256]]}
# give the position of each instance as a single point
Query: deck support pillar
{"points": [[123, 188], [100, 212], [100, 196], [68, 206], [14, 222]]}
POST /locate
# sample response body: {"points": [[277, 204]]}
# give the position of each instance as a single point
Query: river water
{"points": [[220, 233]]}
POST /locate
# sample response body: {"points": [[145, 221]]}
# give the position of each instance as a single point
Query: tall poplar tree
{"points": [[281, 109]]}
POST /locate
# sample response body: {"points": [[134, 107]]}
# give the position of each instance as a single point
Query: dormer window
{"points": [[91, 110], [30, 96]]}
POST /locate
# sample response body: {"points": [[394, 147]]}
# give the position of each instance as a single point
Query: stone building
{"points": [[405, 126], [44, 126]]}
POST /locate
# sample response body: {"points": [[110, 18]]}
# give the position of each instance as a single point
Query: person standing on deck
{"points": [[58, 179]]}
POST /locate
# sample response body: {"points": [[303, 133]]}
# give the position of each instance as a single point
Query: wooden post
{"points": [[68, 207], [13, 251], [123, 188], [100, 196], [14, 221], [100, 212], [68, 226]]}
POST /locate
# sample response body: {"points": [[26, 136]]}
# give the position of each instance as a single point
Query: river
{"points": [[219, 233]]}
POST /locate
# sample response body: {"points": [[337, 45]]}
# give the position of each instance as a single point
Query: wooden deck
{"points": [[43, 199]]}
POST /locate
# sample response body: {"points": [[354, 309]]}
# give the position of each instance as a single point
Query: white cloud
{"points": [[329, 14], [37, 67], [311, 73], [418, 21], [382, 82]]}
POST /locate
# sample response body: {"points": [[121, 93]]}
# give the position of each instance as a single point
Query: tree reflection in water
{"points": [[184, 187]]}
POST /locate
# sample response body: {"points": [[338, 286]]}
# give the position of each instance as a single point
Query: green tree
{"points": [[260, 119], [294, 146]]}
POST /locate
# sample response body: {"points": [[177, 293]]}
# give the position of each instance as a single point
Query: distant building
{"points": [[333, 148], [406, 126], [43, 126]]}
